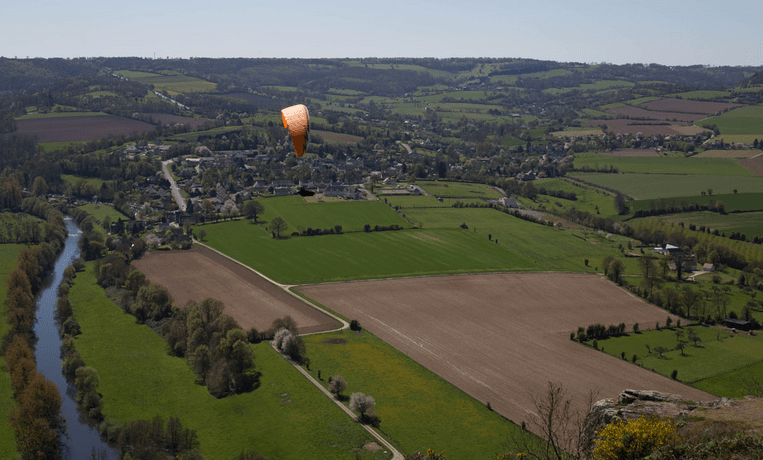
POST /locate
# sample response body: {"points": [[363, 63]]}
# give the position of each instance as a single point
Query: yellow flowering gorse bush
{"points": [[633, 439]]}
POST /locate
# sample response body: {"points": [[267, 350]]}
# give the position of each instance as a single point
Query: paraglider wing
{"points": [[297, 120]]}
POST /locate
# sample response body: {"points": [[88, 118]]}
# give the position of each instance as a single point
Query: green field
{"points": [[15, 225], [170, 81], [549, 248], [460, 190], [351, 215], [742, 120], [731, 202], [651, 186], [666, 165], [412, 201], [419, 410], [286, 417], [8, 256], [102, 211], [711, 358], [748, 223], [588, 199], [74, 179], [391, 254], [732, 384]]}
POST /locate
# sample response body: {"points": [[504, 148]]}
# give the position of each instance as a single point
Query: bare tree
{"points": [[278, 225], [561, 427]]}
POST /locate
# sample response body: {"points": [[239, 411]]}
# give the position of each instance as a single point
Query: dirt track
{"points": [[199, 273], [501, 337]]}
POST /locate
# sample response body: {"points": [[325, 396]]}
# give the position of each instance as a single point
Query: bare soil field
{"points": [[688, 106], [169, 119], [630, 153], [640, 113], [645, 127], [755, 165], [502, 337], [193, 275], [72, 129], [742, 154]]}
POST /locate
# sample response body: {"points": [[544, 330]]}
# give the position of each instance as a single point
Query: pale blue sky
{"points": [[617, 31]]}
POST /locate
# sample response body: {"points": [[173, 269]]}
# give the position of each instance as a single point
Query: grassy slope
{"points": [[748, 223], [101, 211], [351, 215], [651, 186], [742, 120], [8, 256], [301, 260], [412, 410], [285, 418], [711, 358], [731, 202], [668, 165]]}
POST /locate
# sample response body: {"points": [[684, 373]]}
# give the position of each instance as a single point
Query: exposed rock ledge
{"points": [[635, 403]]}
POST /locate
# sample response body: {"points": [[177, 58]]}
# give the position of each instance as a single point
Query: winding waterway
{"points": [[81, 439]]}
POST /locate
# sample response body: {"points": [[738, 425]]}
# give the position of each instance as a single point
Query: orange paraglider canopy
{"points": [[297, 120]]}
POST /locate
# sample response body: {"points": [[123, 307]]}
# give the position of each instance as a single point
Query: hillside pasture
{"points": [[630, 153], [748, 223], [652, 186], [743, 120], [72, 129], [337, 138], [351, 215], [718, 352], [387, 254], [249, 299], [666, 165], [286, 417], [741, 154], [460, 190], [501, 337], [731, 202]]}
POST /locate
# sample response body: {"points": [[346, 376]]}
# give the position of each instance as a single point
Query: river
{"points": [[82, 439]]}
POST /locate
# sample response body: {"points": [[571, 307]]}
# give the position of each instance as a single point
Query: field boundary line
{"points": [[396, 455], [286, 288]]}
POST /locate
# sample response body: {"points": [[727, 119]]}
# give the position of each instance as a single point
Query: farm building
{"points": [[737, 324], [708, 267], [510, 203], [667, 250]]}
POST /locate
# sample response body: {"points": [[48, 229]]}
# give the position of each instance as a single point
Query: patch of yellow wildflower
{"points": [[633, 439]]}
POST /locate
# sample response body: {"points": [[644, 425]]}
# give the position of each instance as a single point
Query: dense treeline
{"points": [[36, 420]]}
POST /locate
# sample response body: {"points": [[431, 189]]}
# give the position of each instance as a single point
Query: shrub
{"points": [[674, 374], [355, 325], [632, 439]]}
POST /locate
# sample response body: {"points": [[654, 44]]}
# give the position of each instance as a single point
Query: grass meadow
{"points": [[588, 199], [102, 211], [667, 165], [391, 254], [652, 186], [419, 410], [732, 202], [8, 257], [460, 190], [286, 417], [748, 223], [351, 215], [718, 355], [90, 180], [742, 120]]}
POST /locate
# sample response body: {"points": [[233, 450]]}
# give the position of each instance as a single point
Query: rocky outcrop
{"points": [[635, 403]]}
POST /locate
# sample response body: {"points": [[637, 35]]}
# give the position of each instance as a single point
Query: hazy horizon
{"points": [[679, 33]]}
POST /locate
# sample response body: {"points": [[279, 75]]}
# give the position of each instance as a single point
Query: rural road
{"points": [[396, 455], [176, 195]]}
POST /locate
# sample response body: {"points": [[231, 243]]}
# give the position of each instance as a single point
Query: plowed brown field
{"points": [[688, 106], [70, 129], [501, 337], [755, 165], [251, 300]]}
